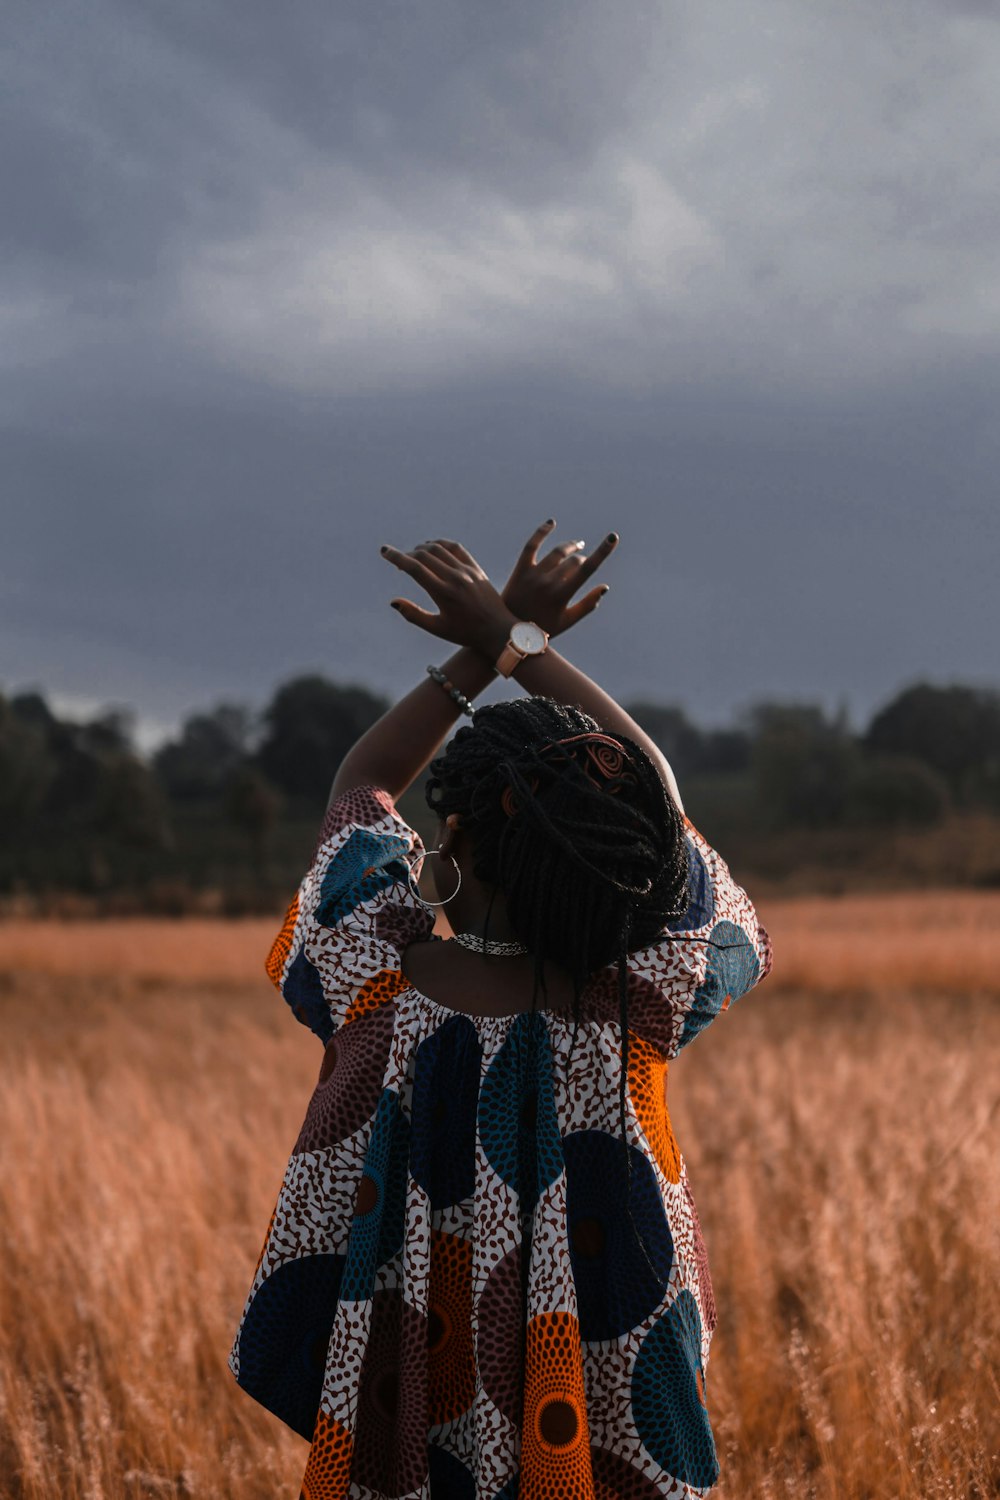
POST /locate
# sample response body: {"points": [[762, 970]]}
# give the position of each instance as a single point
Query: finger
{"points": [[407, 563], [458, 552], [414, 615], [437, 557], [600, 554], [437, 548], [529, 551], [559, 553], [585, 606]]}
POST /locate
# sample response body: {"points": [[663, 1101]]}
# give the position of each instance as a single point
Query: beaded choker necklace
{"points": [[475, 944]]}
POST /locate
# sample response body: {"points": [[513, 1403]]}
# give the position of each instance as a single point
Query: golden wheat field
{"points": [[840, 1126]]}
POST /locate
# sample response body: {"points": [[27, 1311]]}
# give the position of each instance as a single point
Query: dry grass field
{"points": [[840, 1126]]}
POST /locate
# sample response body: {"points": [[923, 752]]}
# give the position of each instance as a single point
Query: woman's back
{"points": [[462, 980], [469, 1286]]}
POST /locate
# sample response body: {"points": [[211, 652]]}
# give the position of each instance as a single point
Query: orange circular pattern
{"points": [[557, 1422], [281, 947], [555, 1443], [328, 1473], [451, 1363], [379, 989], [647, 1087]]}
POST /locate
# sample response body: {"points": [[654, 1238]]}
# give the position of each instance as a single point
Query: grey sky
{"points": [[283, 282]]}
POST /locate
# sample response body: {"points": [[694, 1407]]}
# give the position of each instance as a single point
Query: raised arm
{"points": [[537, 590], [399, 746], [473, 615]]}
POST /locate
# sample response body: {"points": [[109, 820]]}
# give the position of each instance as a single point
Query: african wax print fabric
{"points": [[460, 1293]]}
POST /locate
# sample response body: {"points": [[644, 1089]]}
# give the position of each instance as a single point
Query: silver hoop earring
{"points": [[415, 889]]}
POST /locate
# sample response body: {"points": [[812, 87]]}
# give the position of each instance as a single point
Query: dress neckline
{"points": [[476, 1017]]}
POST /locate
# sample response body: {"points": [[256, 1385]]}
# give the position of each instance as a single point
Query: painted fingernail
{"points": [[612, 536], [394, 603], [551, 521], [383, 550]]}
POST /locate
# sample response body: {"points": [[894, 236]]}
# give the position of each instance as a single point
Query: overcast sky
{"points": [[283, 282]]}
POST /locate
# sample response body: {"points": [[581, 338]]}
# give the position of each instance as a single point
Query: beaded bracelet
{"points": [[453, 692]]}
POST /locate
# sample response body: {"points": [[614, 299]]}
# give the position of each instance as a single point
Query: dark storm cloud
{"points": [[285, 282]]}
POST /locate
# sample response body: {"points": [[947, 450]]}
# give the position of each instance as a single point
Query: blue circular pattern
{"points": [[378, 1226], [669, 1415], [445, 1099], [621, 1269], [701, 902], [733, 967], [284, 1338], [450, 1479], [303, 989], [518, 1125], [367, 863]]}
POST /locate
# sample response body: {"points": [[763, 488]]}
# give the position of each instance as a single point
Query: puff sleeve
{"points": [[338, 953], [714, 953]]}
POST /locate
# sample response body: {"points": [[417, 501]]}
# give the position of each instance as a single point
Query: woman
{"points": [[484, 1274]]}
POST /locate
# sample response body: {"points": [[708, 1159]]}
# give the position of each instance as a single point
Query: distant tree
{"points": [[31, 708], [724, 752], [76, 796], [897, 791], [27, 765], [692, 751], [672, 730], [131, 810], [104, 792], [252, 804], [982, 787], [311, 724], [113, 729], [73, 796], [955, 730], [803, 763], [197, 766]]}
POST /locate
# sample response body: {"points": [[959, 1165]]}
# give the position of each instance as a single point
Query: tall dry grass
{"points": [[840, 1127]]}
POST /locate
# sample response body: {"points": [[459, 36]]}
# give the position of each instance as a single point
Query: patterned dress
{"points": [[458, 1297]]}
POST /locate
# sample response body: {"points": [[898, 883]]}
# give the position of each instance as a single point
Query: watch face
{"points": [[528, 637]]}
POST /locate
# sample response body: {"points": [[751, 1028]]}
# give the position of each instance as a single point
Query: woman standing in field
{"points": [[484, 1274]]}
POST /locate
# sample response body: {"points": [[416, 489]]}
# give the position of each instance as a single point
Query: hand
{"points": [[540, 590], [470, 611]]}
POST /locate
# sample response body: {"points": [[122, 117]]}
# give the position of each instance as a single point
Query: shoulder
{"points": [[359, 806]]}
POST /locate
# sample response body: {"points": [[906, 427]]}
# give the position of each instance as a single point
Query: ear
{"points": [[450, 830]]}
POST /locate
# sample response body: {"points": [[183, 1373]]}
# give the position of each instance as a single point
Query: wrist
{"points": [[494, 635], [469, 670]]}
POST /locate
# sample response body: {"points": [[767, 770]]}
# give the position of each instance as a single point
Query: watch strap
{"points": [[509, 658]]}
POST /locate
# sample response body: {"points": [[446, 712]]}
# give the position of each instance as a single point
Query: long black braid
{"points": [[590, 858]]}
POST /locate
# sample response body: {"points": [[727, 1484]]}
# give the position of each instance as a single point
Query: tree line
{"points": [[233, 801]]}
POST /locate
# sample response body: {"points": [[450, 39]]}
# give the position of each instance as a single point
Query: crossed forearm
{"points": [[397, 749]]}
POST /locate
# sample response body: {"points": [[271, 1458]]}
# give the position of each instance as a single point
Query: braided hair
{"points": [[589, 865], [577, 831]]}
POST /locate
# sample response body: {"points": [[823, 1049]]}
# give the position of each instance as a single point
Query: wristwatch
{"points": [[526, 639]]}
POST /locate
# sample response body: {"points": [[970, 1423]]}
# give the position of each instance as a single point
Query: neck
{"points": [[470, 915]]}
